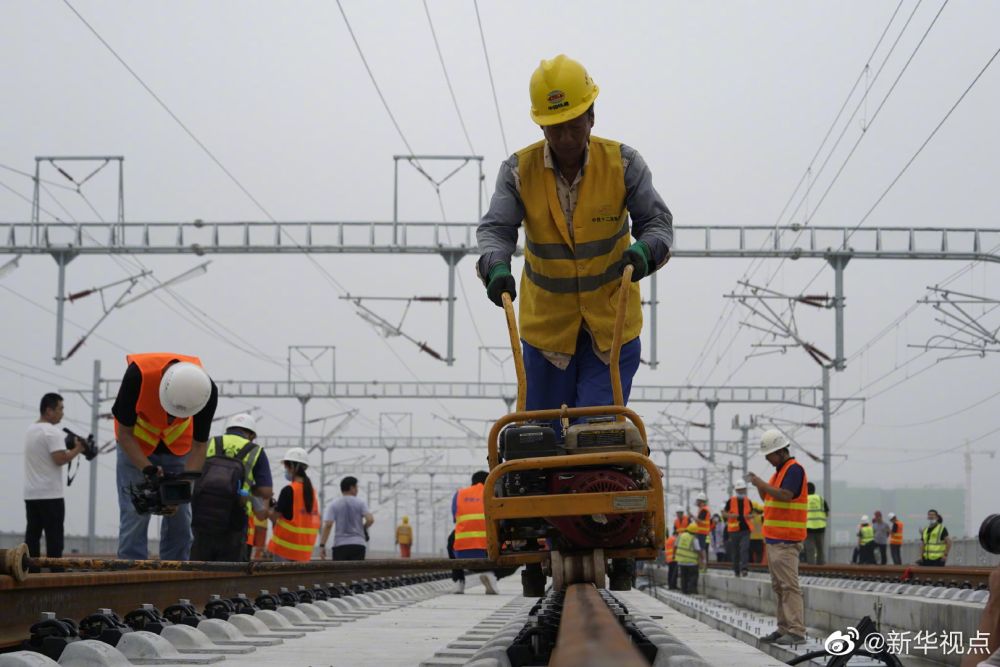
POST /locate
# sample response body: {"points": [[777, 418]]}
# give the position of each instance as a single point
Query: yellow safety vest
{"points": [[684, 550], [570, 279], [231, 445], [866, 534], [817, 515], [934, 546]]}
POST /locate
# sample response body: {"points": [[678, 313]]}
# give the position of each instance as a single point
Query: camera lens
{"points": [[989, 534]]}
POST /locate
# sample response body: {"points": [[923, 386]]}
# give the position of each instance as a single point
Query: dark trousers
{"points": [[672, 576], [897, 558], [457, 574], [739, 550], [44, 516], [689, 579], [880, 548], [813, 551], [937, 562], [866, 554], [756, 551], [348, 552], [220, 546]]}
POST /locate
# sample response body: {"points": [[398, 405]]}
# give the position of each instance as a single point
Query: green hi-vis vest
{"points": [[867, 534], [934, 546], [571, 278], [684, 550], [817, 516], [232, 445]]}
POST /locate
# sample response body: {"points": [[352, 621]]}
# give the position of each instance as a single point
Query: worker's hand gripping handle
{"points": [[515, 348], [616, 340]]}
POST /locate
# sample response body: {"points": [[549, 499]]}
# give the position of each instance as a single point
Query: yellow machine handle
{"points": [[515, 348], [616, 339]]}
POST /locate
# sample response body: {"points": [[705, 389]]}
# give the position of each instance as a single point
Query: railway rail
{"points": [[958, 577]]}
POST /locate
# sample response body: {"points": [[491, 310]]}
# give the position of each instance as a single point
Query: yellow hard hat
{"points": [[560, 91], [406, 519], [692, 528]]}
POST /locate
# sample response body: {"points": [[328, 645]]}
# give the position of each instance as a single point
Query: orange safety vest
{"points": [[671, 542], [151, 424], [295, 539], [897, 537], [256, 531], [786, 520], [470, 521], [680, 525], [703, 526], [733, 507]]}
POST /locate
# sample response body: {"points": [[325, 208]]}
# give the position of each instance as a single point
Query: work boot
{"points": [[790, 639], [459, 587], [773, 637], [490, 583]]}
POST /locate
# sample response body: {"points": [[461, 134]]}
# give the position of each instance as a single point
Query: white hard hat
{"points": [[185, 389], [702, 497], [740, 484], [772, 441], [865, 519], [296, 455], [243, 420], [892, 515]]}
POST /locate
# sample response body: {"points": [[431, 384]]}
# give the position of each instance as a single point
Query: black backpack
{"points": [[216, 504]]}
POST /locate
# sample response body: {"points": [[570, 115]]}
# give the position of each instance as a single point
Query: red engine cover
{"points": [[583, 531]]}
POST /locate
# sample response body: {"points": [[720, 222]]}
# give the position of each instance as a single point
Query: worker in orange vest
{"points": [[786, 511], [670, 555], [895, 538], [470, 529], [681, 522], [256, 538], [702, 525], [737, 515], [296, 514], [163, 418]]}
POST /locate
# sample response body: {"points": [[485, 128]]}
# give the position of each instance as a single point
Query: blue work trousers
{"points": [[133, 528], [585, 382]]}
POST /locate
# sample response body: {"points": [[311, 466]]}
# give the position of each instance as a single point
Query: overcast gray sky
{"points": [[727, 102]]}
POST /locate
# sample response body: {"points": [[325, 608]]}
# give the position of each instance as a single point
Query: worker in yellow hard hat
{"points": [[575, 194]]}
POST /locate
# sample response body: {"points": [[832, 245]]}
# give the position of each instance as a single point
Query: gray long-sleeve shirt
{"points": [[652, 221]]}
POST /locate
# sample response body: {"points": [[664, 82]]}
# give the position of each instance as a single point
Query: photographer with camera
{"points": [[163, 417], [46, 450]]}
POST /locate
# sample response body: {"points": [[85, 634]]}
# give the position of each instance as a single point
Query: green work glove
{"points": [[500, 281], [639, 256]]}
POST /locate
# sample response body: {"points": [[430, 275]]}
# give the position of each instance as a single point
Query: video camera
{"points": [[159, 494], [989, 534], [89, 446]]}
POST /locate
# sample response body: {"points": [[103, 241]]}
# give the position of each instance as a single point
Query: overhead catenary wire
{"points": [[489, 71]]}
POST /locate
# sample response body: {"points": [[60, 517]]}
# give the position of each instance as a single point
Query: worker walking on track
{"points": [[296, 514], [895, 539], [702, 523], [737, 515], [351, 518], [866, 541], [786, 509], [470, 527], [404, 537], [235, 486], [163, 416], [574, 193], [819, 510]]}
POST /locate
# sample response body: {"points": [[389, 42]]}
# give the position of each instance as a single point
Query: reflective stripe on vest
{"points": [[866, 534], [256, 526], [684, 551], [897, 536], [703, 526], [786, 520], [680, 525], [934, 546], [295, 539], [585, 263], [817, 515], [470, 522], [671, 543], [733, 507], [151, 427], [231, 445]]}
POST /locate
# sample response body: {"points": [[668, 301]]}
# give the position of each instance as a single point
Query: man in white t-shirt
{"points": [[44, 455]]}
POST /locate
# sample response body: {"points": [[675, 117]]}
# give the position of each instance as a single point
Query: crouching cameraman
{"points": [[46, 449]]}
